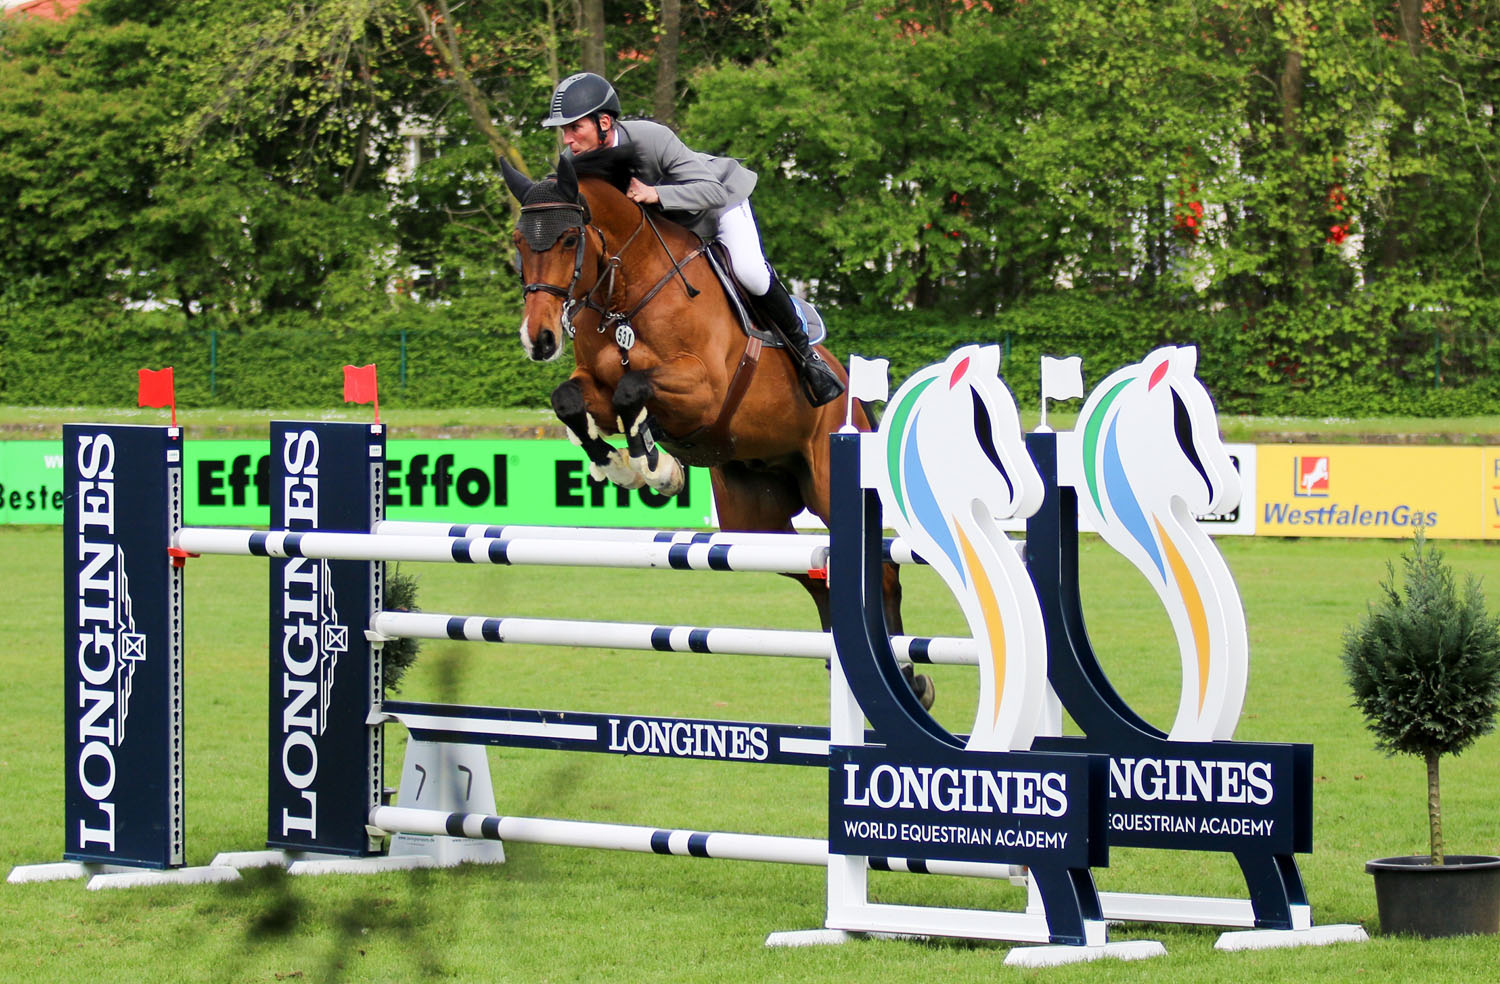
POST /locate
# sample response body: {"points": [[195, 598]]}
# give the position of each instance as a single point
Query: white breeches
{"points": [[741, 238]]}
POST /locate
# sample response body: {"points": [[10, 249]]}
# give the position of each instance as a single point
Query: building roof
{"points": [[49, 9]]}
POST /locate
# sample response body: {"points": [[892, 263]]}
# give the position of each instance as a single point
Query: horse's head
{"points": [[551, 240], [559, 259], [1149, 434]]}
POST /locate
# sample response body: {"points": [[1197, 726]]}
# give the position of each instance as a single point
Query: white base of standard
{"points": [[1021, 956], [1269, 939], [360, 866], [23, 874], [119, 875], [254, 859], [1053, 956], [300, 863], [144, 877], [831, 937], [454, 779]]}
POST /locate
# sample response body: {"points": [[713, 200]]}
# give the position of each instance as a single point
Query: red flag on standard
{"points": [[157, 390], [360, 387]]}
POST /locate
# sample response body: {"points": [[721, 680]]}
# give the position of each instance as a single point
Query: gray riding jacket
{"points": [[694, 188]]}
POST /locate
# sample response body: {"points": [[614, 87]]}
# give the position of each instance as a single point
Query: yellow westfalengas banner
{"points": [[1377, 491]]}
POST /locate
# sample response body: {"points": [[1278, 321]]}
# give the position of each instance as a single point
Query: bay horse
{"points": [[658, 351]]}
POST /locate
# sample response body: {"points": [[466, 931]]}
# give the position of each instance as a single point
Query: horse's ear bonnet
{"points": [[544, 222], [550, 208]]}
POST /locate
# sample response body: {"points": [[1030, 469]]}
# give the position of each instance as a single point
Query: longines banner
{"points": [[497, 481], [1290, 489]]}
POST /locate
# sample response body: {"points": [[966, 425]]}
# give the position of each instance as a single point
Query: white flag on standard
{"points": [[1062, 379], [869, 379]]}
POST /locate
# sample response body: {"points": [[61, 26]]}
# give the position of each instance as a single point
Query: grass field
{"points": [[558, 914]]}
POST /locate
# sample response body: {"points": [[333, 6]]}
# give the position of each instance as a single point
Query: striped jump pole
{"points": [[896, 550], [790, 555], [653, 840], [724, 641]]}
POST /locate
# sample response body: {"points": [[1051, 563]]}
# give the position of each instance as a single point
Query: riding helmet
{"points": [[580, 95]]}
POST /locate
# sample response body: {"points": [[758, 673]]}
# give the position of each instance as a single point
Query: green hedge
{"points": [[1390, 351], [464, 354]]}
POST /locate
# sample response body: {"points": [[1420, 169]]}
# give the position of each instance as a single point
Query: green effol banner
{"points": [[31, 482], [499, 481]]}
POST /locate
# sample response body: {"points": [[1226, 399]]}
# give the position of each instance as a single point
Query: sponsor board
{"points": [[502, 481], [1489, 494], [540, 482], [1290, 490], [32, 488], [1366, 491], [1014, 807], [1236, 797], [618, 734]]}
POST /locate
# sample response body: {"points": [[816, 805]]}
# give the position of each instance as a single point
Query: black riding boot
{"points": [[819, 381]]}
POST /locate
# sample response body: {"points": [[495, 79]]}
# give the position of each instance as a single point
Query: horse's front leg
{"points": [[580, 404], [656, 468]]}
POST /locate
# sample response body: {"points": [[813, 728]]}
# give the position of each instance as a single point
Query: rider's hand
{"points": [[642, 193]]}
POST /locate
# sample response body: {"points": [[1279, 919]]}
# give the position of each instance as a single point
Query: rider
{"points": [[709, 195]]}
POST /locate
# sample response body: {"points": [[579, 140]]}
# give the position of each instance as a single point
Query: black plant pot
{"points": [[1419, 898]]}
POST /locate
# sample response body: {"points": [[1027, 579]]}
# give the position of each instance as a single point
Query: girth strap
{"points": [[739, 385], [717, 432]]}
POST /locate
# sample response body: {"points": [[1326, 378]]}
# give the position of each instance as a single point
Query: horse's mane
{"points": [[612, 164]]}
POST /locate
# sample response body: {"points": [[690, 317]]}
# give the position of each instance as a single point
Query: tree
{"points": [[589, 16], [885, 141], [1438, 153], [81, 113], [1424, 668], [669, 41]]}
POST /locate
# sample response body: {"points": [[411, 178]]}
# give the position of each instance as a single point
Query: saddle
{"points": [[718, 258]]}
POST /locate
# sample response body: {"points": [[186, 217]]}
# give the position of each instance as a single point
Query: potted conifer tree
{"points": [[1424, 667]]}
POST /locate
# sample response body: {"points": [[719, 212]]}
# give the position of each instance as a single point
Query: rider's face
{"points": [[582, 136]]}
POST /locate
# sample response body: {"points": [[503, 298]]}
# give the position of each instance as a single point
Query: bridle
{"points": [[545, 223], [549, 222]]}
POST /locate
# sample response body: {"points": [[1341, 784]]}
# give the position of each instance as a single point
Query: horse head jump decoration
{"points": [[1149, 460], [954, 461]]}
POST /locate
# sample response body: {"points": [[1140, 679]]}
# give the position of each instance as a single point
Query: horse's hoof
{"points": [[620, 471], [666, 479], [925, 689]]}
